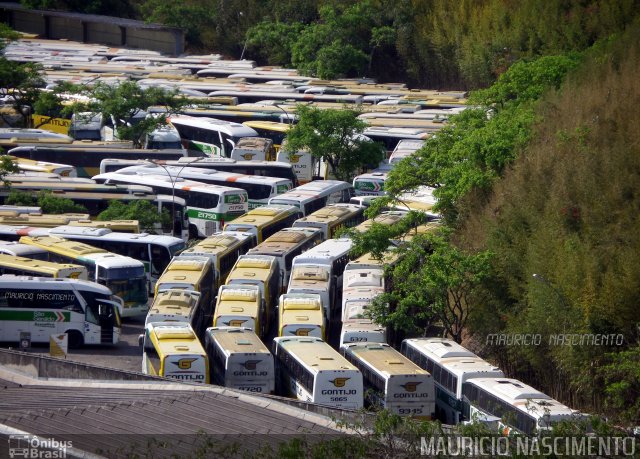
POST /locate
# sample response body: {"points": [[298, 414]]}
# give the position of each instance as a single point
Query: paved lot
{"points": [[126, 355]]}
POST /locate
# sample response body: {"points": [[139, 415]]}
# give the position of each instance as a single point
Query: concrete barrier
{"points": [[43, 366], [92, 28]]}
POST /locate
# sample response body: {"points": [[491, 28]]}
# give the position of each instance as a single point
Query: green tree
{"points": [[621, 373], [143, 211], [433, 283], [46, 200], [24, 82], [472, 151], [125, 102], [195, 17], [7, 167], [334, 135], [272, 41]]}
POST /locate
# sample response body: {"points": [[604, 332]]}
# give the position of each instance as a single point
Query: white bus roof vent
{"points": [[80, 231]]}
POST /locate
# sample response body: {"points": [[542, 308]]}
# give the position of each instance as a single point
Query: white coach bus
{"points": [[87, 312], [239, 360], [451, 366], [395, 382], [312, 371]]}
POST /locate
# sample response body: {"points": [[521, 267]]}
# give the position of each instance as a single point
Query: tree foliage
{"points": [[143, 211], [566, 210], [23, 83], [271, 42], [46, 200], [433, 283], [470, 153], [124, 103], [334, 135]]}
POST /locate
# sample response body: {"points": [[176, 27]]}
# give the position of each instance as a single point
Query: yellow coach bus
{"points": [[20, 266]]}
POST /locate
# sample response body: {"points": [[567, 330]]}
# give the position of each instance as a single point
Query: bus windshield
{"points": [[130, 284], [87, 134], [160, 145]]}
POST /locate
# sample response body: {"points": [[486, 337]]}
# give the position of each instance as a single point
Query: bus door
{"points": [[179, 227], [108, 319], [106, 316]]}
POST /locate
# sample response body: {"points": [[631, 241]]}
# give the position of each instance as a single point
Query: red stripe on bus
{"points": [[25, 231]]}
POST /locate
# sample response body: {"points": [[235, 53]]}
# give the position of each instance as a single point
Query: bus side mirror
{"points": [[140, 340]]}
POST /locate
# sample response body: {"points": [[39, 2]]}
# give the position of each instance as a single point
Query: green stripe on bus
{"points": [[212, 150], [203, 215], [36, 316]]}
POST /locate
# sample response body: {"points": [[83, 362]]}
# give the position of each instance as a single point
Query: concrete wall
{"points": [[61, 27], [27, 21], [108, 34], [43, 366], [168, 43], [94, 29]]}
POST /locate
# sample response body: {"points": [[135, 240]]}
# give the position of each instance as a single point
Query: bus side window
{"points": [[159, 258], [91, 315]]}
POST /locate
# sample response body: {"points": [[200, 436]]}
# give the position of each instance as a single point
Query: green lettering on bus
{"points": [[202, 215], [36, 316]]}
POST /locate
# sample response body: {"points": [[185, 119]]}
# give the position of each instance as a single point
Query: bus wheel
{"points": [[193, 232], [75, 339]]}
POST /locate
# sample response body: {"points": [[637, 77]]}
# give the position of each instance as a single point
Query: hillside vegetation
{"points": [[567, 210]]}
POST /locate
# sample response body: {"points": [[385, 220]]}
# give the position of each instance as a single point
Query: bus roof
{"points": [[228, 127], [175, 339], [238, 340], [214, 245], [268, 125], [34, 282], [330, 213], [283, 240], [174, 302], [252, 268], [178, 183], [238, 300], [45, 267], [314, 353], [326, 251], [199, 173], [20, 250], [384, 359], [105, 233], [261, 215], [363, 277], [522, 396], [81, 252], [383, 218]]}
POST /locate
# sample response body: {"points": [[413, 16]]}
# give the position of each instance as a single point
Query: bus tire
{"points": [[193, 232], [75, 339]]}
